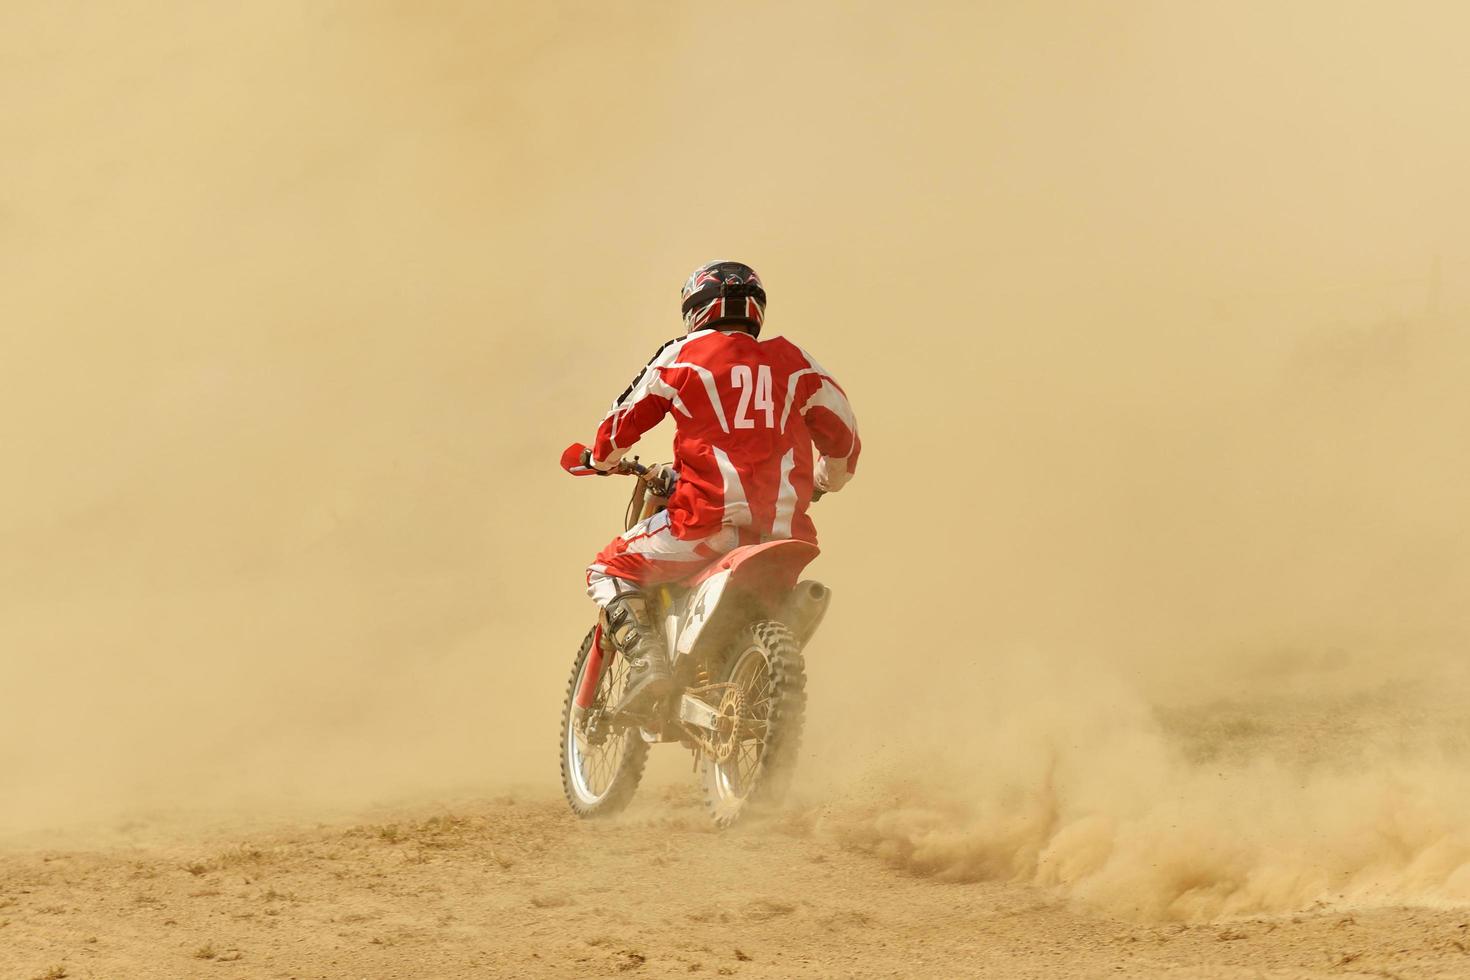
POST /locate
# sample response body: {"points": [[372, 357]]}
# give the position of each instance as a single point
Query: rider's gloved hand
{"points": [[602, 469], [830, 475]]}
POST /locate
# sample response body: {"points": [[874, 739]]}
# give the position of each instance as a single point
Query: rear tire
{"points": [[764, 661], [599, 777]]}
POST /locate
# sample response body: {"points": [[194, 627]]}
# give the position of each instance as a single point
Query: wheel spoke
{"points": [[753, 728], [600, 771], [605, 762]]}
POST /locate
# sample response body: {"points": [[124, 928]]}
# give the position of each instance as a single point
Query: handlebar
{"points": [[625, 467], [658, 481]]}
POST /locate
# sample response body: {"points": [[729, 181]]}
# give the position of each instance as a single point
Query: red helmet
{"points": [[724, 292]]}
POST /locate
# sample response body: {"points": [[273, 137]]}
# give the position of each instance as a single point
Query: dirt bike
{"points": [[735, 631]]}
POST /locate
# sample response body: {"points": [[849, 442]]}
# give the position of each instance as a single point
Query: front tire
{"points": [[768, 705], [600, 766]]}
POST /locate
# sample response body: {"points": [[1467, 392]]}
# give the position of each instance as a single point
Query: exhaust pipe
{"points": [[805, 608]]}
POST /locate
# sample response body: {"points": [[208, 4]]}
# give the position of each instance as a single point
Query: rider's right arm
{"points": [[640, 407], [832, 424]]}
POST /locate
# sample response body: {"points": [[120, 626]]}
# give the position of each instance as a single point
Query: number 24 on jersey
{"points": [[755, 392]]}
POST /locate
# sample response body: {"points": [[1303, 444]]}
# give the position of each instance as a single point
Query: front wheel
{"points": [[761, 716], [600, 765]]}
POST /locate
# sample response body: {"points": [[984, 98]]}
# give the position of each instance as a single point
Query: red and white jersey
{"points": [[748, 414]]}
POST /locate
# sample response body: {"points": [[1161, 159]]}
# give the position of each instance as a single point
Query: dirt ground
{"points": [[514, 886]]}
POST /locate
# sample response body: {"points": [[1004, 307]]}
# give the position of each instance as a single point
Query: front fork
{"points": [[592, 674]]}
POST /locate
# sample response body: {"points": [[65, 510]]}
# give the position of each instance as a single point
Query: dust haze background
{"points": [[1154, 317]]}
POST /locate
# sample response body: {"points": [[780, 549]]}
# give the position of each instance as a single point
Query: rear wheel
{"points": [[600, 764], [761, 716]]}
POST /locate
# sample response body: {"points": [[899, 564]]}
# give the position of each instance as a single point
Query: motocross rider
{"points": [[748, 413]]}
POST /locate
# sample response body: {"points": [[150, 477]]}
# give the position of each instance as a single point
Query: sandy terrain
{"points": [[896, 878], [515, 887]]}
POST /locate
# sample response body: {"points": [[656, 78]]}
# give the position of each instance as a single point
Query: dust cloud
{"points": [[1152, 582]]}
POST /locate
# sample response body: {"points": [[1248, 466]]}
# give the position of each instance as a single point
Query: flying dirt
{"points": [[1146, 651]]}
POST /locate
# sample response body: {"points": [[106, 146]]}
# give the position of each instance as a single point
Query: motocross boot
{"points": [[631, 629]]}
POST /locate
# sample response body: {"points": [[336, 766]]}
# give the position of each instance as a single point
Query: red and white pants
{"points": [[649, 554]]}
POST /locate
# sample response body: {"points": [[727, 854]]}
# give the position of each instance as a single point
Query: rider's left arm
{"points": [[647, 400]]}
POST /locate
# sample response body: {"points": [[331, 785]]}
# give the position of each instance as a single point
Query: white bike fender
{"points": [[700, 610]]}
